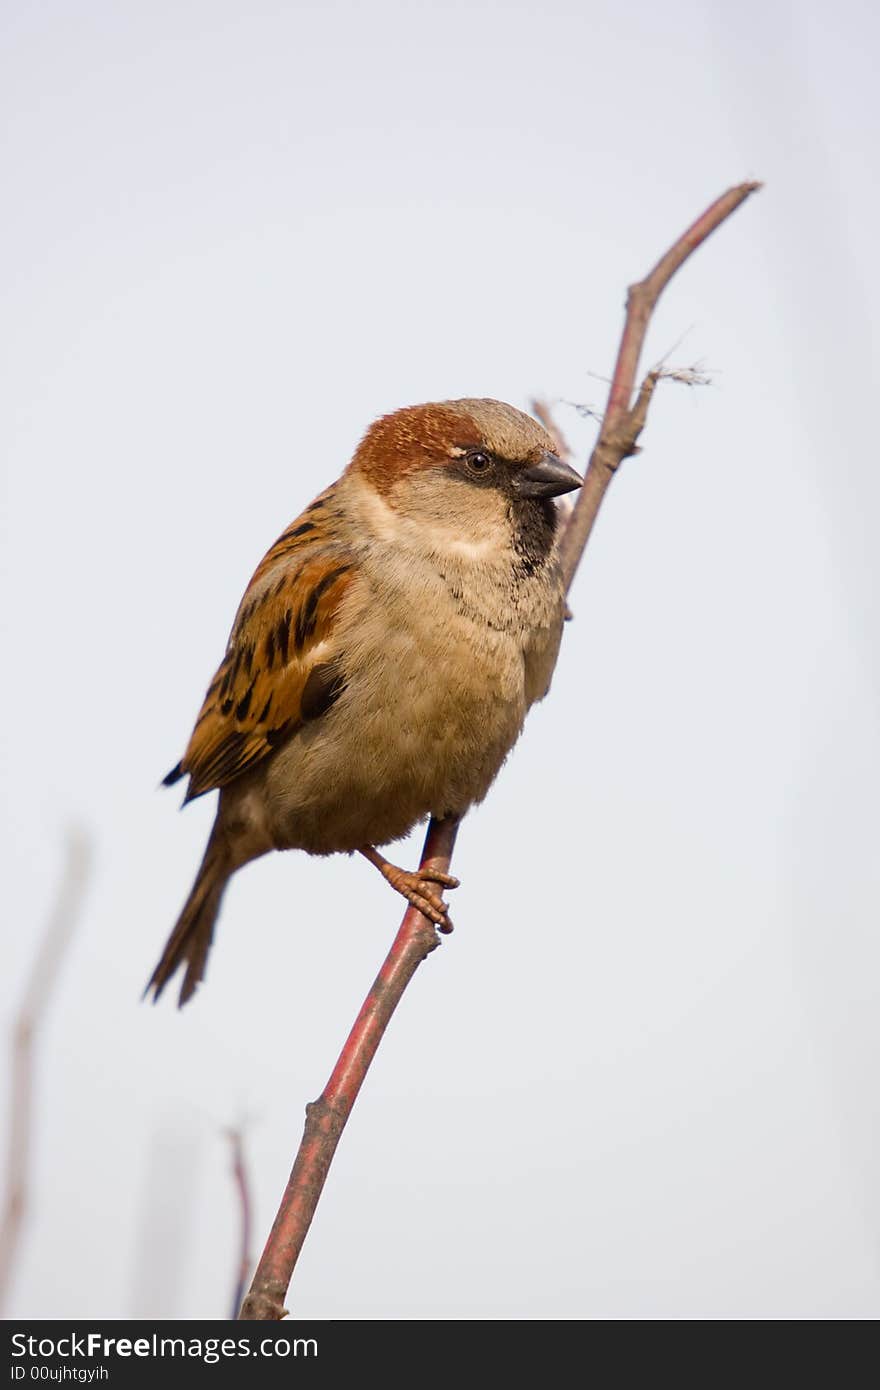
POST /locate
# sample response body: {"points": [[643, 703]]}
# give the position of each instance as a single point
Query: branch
{"points": [[326, 1117], [44, 972], [417, 937]]}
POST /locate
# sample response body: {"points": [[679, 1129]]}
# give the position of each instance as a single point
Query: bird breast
{"points": [[441, 656]]}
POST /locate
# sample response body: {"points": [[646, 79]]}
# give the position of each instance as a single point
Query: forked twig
{"points": [[325, 1118]]}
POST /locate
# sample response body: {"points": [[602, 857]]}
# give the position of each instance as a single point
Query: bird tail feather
{"points": [[190, 941]]}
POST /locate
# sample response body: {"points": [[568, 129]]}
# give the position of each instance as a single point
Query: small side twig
{"points": [[326, 1117], [243, 1192], [687, 376], [60, 927]]}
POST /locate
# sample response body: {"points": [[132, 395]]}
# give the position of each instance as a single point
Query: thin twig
{"points": [[243, 1190], [326, 1117], [31, 1013], [543, 411]]}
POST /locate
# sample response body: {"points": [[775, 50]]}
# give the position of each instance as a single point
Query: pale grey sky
{"points": [[639, 1081]]}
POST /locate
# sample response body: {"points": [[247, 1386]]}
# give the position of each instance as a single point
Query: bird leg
{"points": [[414, 887]]}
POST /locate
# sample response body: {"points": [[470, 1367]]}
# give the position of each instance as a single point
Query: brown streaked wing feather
{"points": [[278, 671]]}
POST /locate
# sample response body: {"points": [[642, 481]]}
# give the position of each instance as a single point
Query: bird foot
{"points": [[415, 887]]}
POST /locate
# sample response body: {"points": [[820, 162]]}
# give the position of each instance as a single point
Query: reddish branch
{"points": [[32, 1011], [325, 1118]]}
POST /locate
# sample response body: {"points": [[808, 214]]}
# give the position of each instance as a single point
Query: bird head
{"points": [[466, 467]]}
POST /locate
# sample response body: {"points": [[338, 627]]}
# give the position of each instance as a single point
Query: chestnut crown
{"points": [[484, 441]]}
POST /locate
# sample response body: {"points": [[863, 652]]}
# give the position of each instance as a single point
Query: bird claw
{"points": [[435, 876], [413, 887]]}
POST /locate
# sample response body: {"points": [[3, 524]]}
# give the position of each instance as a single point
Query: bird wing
{"points": [[280, 669]]}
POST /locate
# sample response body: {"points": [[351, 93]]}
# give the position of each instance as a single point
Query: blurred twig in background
{"points": [[242, 1187], [62, 922]]}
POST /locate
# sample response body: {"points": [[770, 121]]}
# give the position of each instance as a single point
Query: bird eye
{"points": [[479, 462]]}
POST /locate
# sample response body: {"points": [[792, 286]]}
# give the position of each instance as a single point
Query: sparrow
{"points": [[383, 657]]}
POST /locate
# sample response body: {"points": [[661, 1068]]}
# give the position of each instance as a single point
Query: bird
{"points": [[383, 658]]}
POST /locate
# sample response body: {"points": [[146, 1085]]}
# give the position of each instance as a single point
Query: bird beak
{"points": [[548, 478]]}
